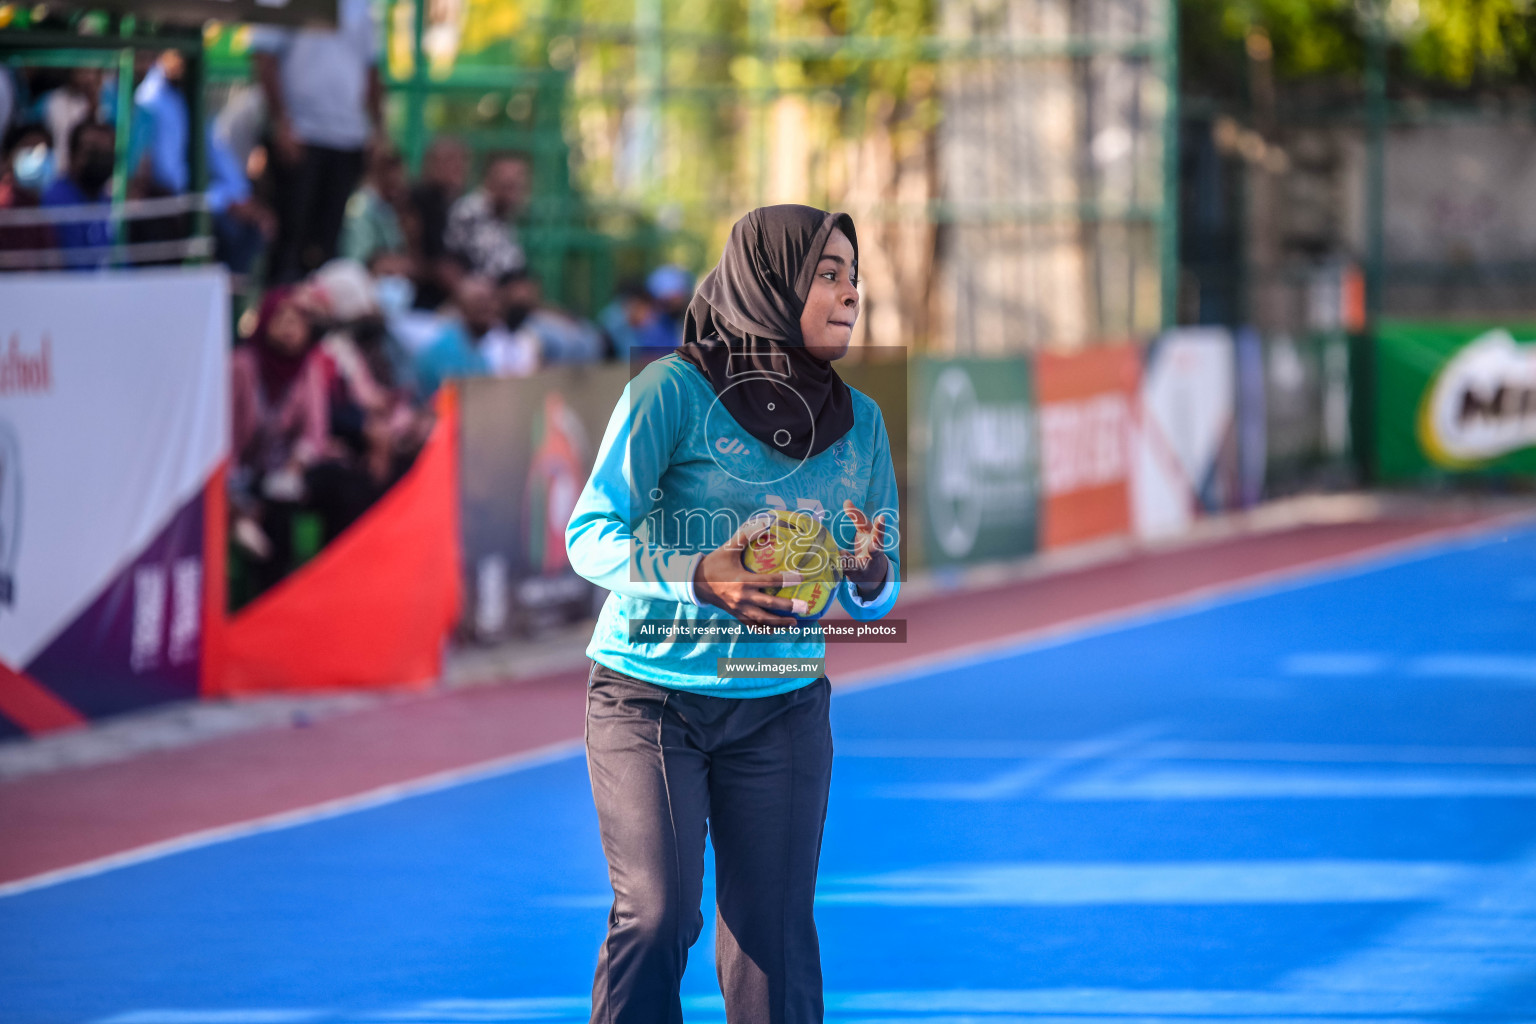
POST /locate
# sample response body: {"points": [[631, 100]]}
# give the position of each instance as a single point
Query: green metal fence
{"points": [[652, 124], [1011, 164]]}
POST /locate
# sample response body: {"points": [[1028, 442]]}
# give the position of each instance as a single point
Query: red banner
{"points": [[1087, 411], [374, 608]]}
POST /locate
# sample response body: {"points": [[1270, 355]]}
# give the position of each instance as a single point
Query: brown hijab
{"points": [[742, 330]]}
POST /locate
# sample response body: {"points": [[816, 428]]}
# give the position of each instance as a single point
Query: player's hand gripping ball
{"points": [[797, 542]]}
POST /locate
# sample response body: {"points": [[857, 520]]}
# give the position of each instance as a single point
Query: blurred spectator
{"points": [[395, 283], [632, 322], [324, 100], [373, 221], [161, 149], [672, 288], [557, 337], [7, 99], [26, 170], [475, 342], [370, 409], [280, 419], [67, 107], [158, 151], [240, 120], [444, 173], [242, 225], [377, 374], [480, 232], [87, 242]]}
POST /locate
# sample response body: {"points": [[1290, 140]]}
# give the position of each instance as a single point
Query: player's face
{"points": [[832, 307]]}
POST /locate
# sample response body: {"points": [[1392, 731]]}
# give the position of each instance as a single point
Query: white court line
{"points": [[1032, 774], [378, 797], [1154, 883], [1192, 750], [1313, 573], [1189, 784]]}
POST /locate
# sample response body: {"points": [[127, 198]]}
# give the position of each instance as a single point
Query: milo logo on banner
{"points": [[980, 471], [1482, 403]]}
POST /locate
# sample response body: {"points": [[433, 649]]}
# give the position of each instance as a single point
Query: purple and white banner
{"points": [[113, 421]]}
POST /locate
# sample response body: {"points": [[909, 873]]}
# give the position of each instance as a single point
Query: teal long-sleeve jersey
{"points": [[675, 476]]}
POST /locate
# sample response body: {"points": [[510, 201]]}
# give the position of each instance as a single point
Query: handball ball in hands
{"points": [[797, 542]]}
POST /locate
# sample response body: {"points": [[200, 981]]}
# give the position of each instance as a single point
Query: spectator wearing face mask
{"points": [[556, 336], [375, 373], [414, 329], [87, 243], [476, 341], [371, 414], [26, 170]]}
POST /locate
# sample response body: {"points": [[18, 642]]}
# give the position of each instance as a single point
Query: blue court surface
{"points": [[1310, 801]]}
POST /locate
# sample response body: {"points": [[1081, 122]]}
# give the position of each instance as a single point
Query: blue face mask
{"points": [[395, 294], [33, 167]]}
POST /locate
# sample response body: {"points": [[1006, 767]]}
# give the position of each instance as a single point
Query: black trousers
{"points": [[667, 764], [311, 200]]}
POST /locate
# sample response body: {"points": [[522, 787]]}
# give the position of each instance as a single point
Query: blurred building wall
{"points": [[1051, 155]]}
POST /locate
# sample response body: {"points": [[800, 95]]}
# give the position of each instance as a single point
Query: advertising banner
{"points": [[1186, 445], [372, 609], [1087, 406], [976, 440], [1453, 399], [1306, 411], [527, 446], [113, 422], [884, 374]]}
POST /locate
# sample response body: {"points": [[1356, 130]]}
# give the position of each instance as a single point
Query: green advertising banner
{"points": [[1454, 399], [976, 446]]}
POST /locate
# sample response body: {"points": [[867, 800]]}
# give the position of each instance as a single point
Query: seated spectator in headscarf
{"points": [[556, 336], [631, 322], [672, 289], [92, 159], [444, 172], [476, 341], [375, 371], [371, 414], [373, 213], [481, 234], [280, 428], [26, 170]]}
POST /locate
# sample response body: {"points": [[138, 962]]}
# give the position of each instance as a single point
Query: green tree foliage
{"points": [[1447, 43]]}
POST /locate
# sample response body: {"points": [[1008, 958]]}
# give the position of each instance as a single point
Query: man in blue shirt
{"points": [[85, 237]]}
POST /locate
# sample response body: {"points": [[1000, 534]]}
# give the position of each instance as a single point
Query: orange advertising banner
{"points": [[1087, 414]]}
